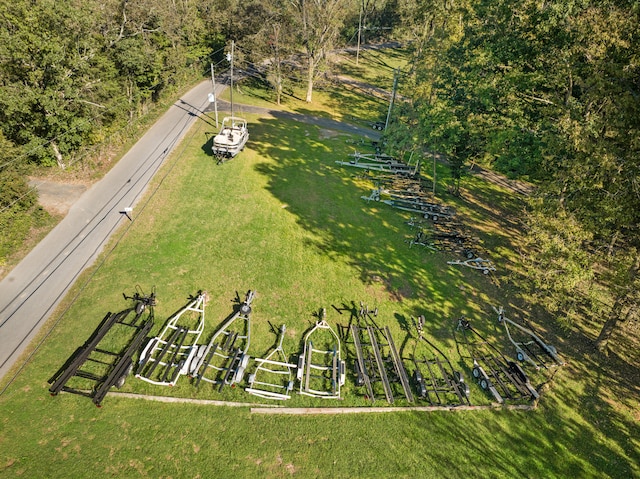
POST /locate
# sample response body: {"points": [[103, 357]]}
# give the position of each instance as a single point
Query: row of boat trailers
{"points": [[106, 359], [400, 185]]}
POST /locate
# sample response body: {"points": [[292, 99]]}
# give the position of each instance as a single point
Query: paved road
{"points": [[30, 293]]}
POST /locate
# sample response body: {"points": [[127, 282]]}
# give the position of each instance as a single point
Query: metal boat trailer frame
{"points": [[273, 378], [321, 372], [495, 373], [533, 350], [434, 376], [106, 368], [174, 348], [225, 356], [484, 265], [382, 163], [377, 358]]}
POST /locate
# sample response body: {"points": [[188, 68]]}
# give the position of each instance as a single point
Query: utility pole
{"points": [[213, 98], [393, 97], [359, 33], [434, 173], [231, 90]]}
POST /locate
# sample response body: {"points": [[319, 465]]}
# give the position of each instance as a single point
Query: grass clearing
{"points": [[284, 220]]}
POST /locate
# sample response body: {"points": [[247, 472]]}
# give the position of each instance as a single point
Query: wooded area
{"points": [[545, 91]]}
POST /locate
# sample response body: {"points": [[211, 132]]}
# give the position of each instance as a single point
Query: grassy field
{"points": [[284, 220]]}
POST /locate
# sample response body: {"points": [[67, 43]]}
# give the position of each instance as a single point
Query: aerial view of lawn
{"points": [[285, 221]]}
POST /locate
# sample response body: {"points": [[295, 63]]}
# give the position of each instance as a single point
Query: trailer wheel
{"points": [[484, 384], [476, 373], [465, 389], [120, 381], [140, 307], [459, 377], [520, 356], [435, 218], [469, 254], [245, 308]]}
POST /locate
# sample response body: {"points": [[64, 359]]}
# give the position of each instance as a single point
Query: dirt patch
{"points": [[57, 197], [326, 134]]}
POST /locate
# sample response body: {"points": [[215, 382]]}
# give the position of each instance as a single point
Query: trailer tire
{"points": [[245, 308], [484, 383], [121, 380], [520, 356], [140, 306], [476, 373]]}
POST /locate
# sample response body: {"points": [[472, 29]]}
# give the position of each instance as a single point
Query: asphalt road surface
{"points": [[32, 290]]}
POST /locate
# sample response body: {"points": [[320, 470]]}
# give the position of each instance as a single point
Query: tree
{"points": [[320, 22]]}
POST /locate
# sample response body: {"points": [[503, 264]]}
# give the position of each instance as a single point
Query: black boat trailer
{"points": [[377, 358], [99, 364], [434, 377], [495, 372]]}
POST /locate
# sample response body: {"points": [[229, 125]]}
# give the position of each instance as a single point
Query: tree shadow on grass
{"points": [[326, 201], [302, 174]]}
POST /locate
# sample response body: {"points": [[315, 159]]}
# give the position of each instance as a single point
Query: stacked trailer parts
{"points": [[377, 359], [495, 373], [321, 371], [273, 377], [532, 348], [224, 359], [435, 379], [100, 363], [168, 355]]}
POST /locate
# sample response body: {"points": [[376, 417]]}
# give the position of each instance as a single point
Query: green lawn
{"points": [[284, 220]]}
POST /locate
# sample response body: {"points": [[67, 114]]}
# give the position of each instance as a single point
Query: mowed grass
{"points": [[284, 220]]}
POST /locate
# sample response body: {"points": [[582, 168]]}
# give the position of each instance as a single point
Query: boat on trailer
{"points": [[232, 137]]}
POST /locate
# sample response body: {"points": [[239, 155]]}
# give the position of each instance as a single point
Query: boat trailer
{"points": [[321, 371], [495, 372], [377, 359], [382, 163], [173, 349], [273, 377], [435, 379], [224, 359], [103, 365], [532, 349]]}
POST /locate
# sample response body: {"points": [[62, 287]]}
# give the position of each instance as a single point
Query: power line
{"points": [[100, 265]]}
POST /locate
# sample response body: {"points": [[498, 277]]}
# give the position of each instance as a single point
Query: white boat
{"points": [[232, 137]]}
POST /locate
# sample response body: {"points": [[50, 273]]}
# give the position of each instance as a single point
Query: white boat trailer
{"points": [[273, 378], [321, 372], [167, 356], [484, 265]]}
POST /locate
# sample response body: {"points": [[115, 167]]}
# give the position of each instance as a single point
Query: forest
{"points": [[544, 91]]}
